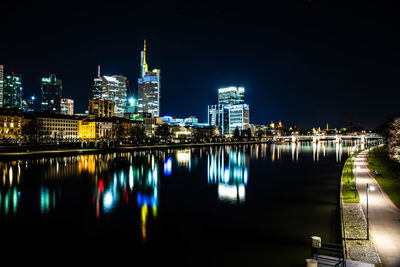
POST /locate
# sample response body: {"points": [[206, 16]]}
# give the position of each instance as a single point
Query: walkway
{"points": [[384, 216]]}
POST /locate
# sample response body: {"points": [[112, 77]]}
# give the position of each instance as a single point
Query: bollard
{"points": [[315, 245], [311, 263]]}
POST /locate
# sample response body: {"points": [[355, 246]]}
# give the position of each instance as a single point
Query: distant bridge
{"points": [[316, 138]]}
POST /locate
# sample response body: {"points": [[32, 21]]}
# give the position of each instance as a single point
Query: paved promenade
{"points": [[384, 216]]}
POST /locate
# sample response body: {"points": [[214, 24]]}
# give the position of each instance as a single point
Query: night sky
{"points": [[306, 63]]}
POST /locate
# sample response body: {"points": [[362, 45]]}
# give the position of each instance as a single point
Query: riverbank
{"points": [[84, 151], [353, 221]]}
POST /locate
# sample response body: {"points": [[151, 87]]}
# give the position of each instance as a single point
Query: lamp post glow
{"points": [[372, 189]]}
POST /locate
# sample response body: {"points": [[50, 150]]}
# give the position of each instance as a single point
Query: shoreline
{"points": [[87, 151], [353, 226]]}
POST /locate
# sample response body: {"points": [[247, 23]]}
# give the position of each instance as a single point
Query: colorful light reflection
{"points": [[228, 169]]}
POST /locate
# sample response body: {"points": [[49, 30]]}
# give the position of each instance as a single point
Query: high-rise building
{"points": [[112, 88], [217, 116], [29, 104], [51, 94], [99, 108], [12, 91], [239, 117], [1, 85], [231, 95], [67, 106], [231, 112], [149, 86]]}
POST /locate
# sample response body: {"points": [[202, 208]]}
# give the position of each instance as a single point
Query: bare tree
{"points": [[393, 140]]}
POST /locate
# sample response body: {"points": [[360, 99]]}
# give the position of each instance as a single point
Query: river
{"points": [[233, 205]]}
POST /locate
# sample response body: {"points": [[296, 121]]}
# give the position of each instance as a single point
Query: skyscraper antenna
{"points": [[143, 64], [98, 70]]}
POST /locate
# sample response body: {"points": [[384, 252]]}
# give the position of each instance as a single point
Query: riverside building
{"points": [[11, 122], [57, 126], [231, 112]]}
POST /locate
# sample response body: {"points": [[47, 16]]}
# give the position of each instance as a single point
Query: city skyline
{"points": [[298, 63]]}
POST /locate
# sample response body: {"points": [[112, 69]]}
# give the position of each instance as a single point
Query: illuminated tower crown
{"points": [[143, 64]]}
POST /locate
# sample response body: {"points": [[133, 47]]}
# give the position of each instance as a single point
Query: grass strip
{"points": [[386, 173], [349, 192]]}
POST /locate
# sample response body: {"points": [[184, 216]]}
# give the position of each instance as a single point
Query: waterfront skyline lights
{"points": [[51, 93], [12, 91], [112, 88], [149, 86], [231, 95]]}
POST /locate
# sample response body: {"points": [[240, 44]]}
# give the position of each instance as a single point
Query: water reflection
{"points": [[108, 185], [183, 158], [228, 169], [10, 193]]}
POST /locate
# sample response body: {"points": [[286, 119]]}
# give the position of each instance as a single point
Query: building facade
{"points": [[149, 86], [100, 108], [51, 94], [11, 122], [56, 126], [103, 129], [67, 106], [12, 91], [112, 88], [216, 115], [239, 118], [149, 93], [87, 129], [231, 95]]}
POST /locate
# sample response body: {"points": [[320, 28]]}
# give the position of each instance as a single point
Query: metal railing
{"points": [[330, 254]]}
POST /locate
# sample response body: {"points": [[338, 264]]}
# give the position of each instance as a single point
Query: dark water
{"points": [[247, 205]]}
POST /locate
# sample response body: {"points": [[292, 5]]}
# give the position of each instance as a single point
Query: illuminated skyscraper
{"points": [[12, 91], [231, 95], [239, 117], [1, 85], [51, 94], [148, 88], [112, 88], [67, 106], [29, 104], [231, 112], [217, 116]]}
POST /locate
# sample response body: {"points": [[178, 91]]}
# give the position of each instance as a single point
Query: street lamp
{"points": [[372, 188]]}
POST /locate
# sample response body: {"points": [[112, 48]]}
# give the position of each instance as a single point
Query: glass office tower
{"points": [[51, 94], [112, 88], [12, 91]]}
